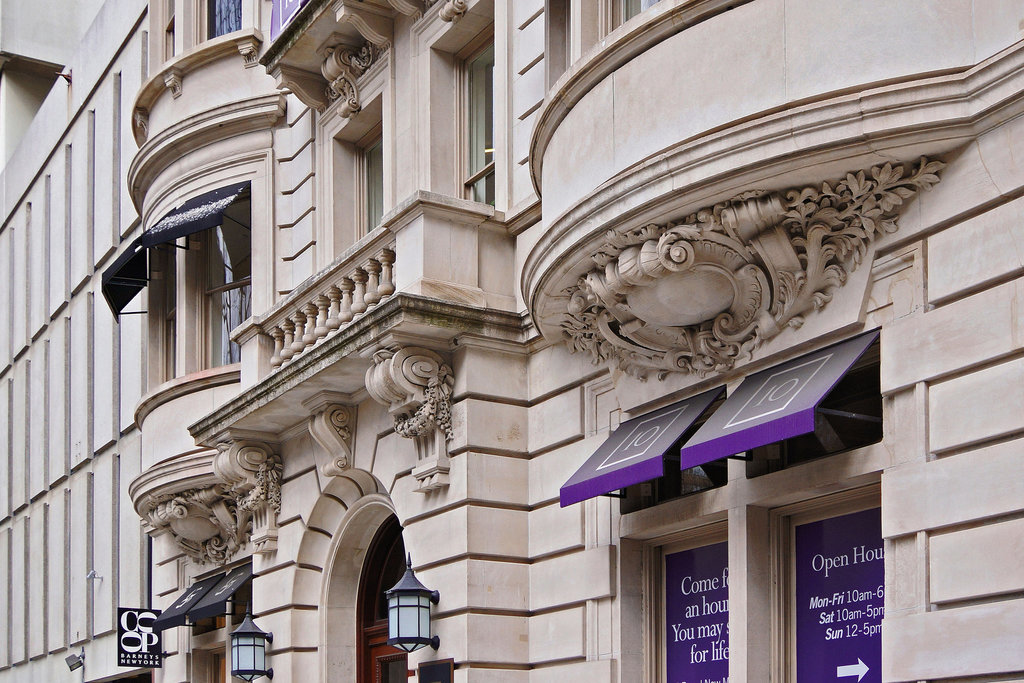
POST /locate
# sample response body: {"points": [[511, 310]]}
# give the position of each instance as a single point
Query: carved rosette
{"points": [[212, 523], [416, 385], [342, 68], [696, 296]]}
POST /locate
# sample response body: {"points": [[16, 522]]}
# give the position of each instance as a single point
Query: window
{"points": [[228, 287], [373, 178], [169, 30], [200, 281], [480, 126], [631, 8], [223, 16]]}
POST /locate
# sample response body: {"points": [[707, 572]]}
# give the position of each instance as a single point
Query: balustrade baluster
{"points": [[299, 318], [346, 286], [372, 269], [359, 295], [321, 303], [333, 319], [387, 284], [311, 311], [289, 337], [278, 335]]}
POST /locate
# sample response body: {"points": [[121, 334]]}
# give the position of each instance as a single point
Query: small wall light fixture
{"points": [[409, 613], [249, 651], [75, 661]]}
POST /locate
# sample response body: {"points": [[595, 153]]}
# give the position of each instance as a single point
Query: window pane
{"points": [[374, 159], [229, 294], [631, 8], [223, 16], [481, 123]]}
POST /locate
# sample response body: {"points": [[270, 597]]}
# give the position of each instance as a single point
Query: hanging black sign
{"points": [[138, 645], [437, 672]]}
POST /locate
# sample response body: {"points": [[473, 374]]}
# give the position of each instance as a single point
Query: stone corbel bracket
{"points": [[332, 425], [375, 26], [252, 473], [234, 505], [698, 295], [416, 386], [342, 68]]}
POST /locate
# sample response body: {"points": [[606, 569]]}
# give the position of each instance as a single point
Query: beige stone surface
{"points": [[567, 579], [977, 562], [972, 408], [945, 339], [966, 641], [970, 486], [976, 252]]}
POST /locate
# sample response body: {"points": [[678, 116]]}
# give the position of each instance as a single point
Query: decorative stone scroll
{"points": [[451, 10], [210, 524], [696, 296], [416, 385], [331, 426], [342, 67]]}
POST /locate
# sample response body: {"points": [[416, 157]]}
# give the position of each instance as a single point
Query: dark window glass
{"points": [[228, 282], [223, 16]]}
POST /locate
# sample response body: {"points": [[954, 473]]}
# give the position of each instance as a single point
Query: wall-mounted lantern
{"points": [[249, 651], [409, 613]]}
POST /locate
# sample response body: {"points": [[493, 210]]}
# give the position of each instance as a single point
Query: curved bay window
{"points": [[384, 566]]}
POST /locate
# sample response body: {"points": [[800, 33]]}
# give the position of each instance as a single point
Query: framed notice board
{"points": [[437, 672]]}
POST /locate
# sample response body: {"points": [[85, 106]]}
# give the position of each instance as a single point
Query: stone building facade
{"points": [[669, 339]]}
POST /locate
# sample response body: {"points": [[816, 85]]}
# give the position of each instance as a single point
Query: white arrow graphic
{"points": [[858, 670]]}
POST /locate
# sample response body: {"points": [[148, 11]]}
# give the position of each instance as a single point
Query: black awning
{"points": [[199, 213], [214, 603], [175, 614], [125, 277]]}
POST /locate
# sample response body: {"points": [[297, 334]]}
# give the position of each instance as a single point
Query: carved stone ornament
{"points": [[141, 118], [451, 10], [696, 296], [332, 428], [249, 48], [342, 68], [416, 385], [212, 523], [172, 79]]}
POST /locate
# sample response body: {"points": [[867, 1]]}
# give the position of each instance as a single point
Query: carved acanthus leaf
{"points": [[698, 295], [342, 68], [212, 523], [416, 385]]}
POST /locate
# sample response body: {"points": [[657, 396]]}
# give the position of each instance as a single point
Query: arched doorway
{"points": [[378, 662]]}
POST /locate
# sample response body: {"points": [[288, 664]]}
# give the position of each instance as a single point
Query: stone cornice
{"points": [[757, 151], [635, 36], [225, 121], [183, 386], [400, 313]]}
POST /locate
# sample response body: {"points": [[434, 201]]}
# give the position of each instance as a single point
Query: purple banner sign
{"points": [[697, 615], [840, 592], [282, 13]]}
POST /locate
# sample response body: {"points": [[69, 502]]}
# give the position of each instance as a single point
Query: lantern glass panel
{"points": [[407, 621], [424, 618]]}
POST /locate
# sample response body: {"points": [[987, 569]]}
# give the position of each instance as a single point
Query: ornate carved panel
{"points": [[697, 295], [212, 523], [416, 385]]}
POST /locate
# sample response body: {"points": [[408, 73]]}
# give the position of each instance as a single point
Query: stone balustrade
{"points": [[339, 294]]}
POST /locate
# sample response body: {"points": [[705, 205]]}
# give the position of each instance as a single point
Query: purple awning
{"points": [[774, 404], [281, 14], [633, 453]]}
